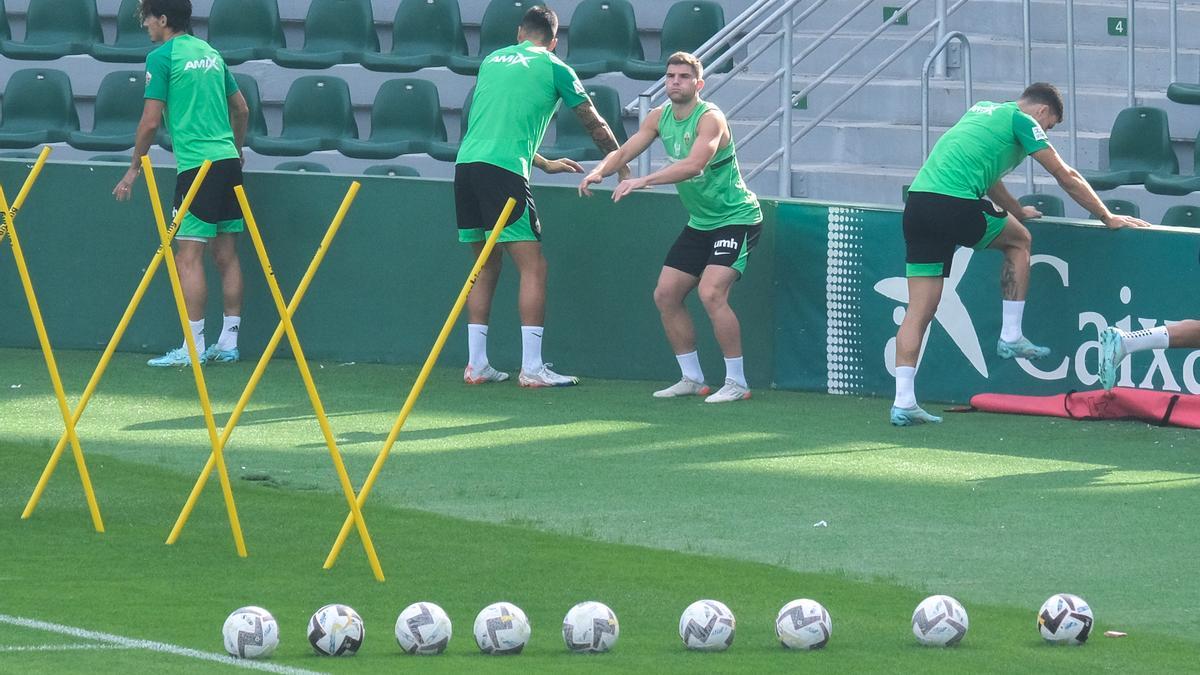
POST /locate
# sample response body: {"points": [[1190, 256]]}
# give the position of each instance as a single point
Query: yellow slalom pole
{"points": [[306, 375], [181, 306], [263, 360], [44, 340], [111, 349], [421, 378], [29, 181]]}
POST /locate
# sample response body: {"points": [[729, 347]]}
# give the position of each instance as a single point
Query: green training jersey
{"points": [[518, 90], [718, 196], [990, 140], [191, 78]]}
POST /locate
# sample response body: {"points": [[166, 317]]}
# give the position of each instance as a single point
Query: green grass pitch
{"points": [[547, 498]]}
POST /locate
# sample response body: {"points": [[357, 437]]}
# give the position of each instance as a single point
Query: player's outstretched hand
{"points": [[124, 189], [1117, 222], [627, 186], [564, 165], [592, 178], [1029, 213]]}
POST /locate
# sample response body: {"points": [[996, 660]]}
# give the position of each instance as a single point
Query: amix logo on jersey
{"points": [[202, 64], [512, 59]]}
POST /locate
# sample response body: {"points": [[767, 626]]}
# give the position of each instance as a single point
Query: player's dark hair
{"points": [[1046, 94], [687, 59], [541, 22], [178, 12]]}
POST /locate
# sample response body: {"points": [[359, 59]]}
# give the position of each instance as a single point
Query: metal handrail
{"points": [[891, 58], [941, 46], [1173, 27], [1027, 44]]}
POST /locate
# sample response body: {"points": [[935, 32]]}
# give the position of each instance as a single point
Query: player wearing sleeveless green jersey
{"points": [[188, 85], [711, 252], [518, 90], [946, 209]]}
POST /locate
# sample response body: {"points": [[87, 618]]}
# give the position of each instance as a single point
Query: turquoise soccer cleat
{"points": [[175, 357], [1112, 352], [1021, 349], [907, 417], [215, 354]]}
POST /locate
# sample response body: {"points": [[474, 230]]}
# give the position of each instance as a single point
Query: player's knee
{"points": [[1019, 239], [666, 297], [713, 296]]}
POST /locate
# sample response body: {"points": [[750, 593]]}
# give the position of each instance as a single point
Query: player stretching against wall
{"points": [[1116, 344], [946, 209], [518, 90], [710, 254]]}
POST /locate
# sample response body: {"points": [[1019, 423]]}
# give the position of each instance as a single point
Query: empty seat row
{"points": [[1140, 153], [425, 34], [1182, 215], [406, 117]]}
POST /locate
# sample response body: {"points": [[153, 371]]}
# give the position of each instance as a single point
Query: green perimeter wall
{"points": [[388, 282]]}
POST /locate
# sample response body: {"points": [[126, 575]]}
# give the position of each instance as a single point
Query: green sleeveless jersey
{"points": [[190, 77], [718, 196]]}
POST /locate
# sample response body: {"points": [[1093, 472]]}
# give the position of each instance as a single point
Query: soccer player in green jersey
{"points": [[946, 209], [188, 85], [725, 221], [518, 90], [1116, 344]]}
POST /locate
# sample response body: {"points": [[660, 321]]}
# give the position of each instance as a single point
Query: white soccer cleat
{"points": [[684, 387], [544, 377], [486, 374], [732, 391]]}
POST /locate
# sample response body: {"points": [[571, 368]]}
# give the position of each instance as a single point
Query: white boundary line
{"points": [[149, 645], [59, 648]]}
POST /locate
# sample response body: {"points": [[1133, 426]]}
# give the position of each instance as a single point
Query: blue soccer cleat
{"points": [[1021, 349], [907, 417], [1112, 352], [215, 354], [175, 357]]}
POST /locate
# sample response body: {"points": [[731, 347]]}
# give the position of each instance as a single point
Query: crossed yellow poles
{"points": [[217, 441]]}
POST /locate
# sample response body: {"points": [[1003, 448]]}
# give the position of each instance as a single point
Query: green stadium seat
{"points": [[39, 107], [1171, 184], [132, 43], [316, 116], [602, 37], [425, 34], [1182, 216], [448, 152], [572, 140], [302, 167], [392, 170], [1184, 92], [118, 109], [56, 28], [497, 30], [1139, 145], [688, 25], [405, 118], [1049, 205], [244, 30], [112, 159], [335, 31], [1123, 207]]}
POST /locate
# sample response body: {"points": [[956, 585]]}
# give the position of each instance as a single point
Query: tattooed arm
{"points": [[601, 134]]}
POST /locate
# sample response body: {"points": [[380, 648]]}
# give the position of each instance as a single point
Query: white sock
{"points": [[735, 372], [905, 398], [197, 335], [1149, 338], [477, 346], [531, 348], [229, 333], [689, 365], [1012, 313]]}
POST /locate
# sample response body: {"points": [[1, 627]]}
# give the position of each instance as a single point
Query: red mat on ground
{"points": [[1156, 407]]}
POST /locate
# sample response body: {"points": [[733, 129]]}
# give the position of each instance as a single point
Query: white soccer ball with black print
{"points": [[250, 633], [501, 628], [423, 628], [590, 627], [1065, 619], [707, 625], [939, 621], [336, 630], [803, 624]]}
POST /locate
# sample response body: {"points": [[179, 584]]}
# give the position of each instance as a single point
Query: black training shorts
{"points": [[727, 246], [215, 203], [935, 225], [480, 191]]}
